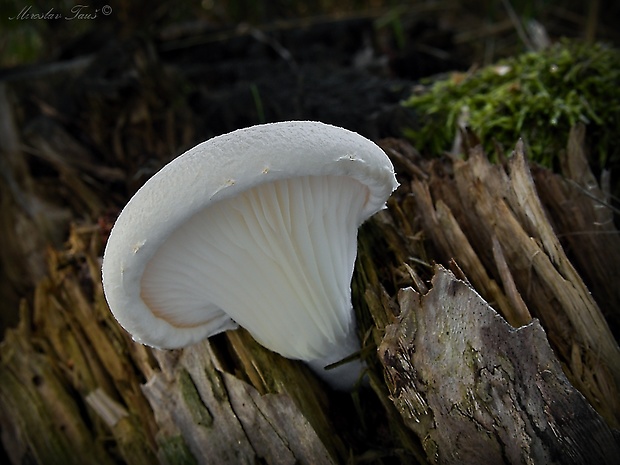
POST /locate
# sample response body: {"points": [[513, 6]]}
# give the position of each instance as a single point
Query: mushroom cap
{"points": [[209, 177]]}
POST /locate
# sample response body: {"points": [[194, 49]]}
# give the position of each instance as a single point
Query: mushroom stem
{"points": [[343, 376]]}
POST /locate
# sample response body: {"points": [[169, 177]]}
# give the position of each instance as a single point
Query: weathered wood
{"points": [[480, 210], [40, 420], [222, 419], [580, 209], [480, 391], [64, 350], [69, 364]]}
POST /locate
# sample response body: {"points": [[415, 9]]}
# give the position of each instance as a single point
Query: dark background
{"points": [[96, 99]]}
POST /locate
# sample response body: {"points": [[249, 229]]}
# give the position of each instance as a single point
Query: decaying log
{"points": [[28, 219], [223, 419], [69, 365], [491, 221], [73, 384], [479, 391], [580, 209], [541, 249]]}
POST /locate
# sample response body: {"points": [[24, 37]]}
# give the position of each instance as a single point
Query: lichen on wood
{"points": [[480, 391]]}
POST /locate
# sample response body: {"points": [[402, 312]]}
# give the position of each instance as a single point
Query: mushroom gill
{"points": [[277, 259]]}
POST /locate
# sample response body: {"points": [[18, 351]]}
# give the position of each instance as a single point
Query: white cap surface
{"points": [[257, 227]]}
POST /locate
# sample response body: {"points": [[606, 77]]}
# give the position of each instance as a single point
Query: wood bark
{"points": [[480, 391], [491, 221], [222, 419]]}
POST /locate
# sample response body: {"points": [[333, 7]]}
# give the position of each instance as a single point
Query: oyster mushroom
{"points": [[256, 228]]}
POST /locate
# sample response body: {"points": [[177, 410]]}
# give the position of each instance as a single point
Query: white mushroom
{"points": [[256, 228]]}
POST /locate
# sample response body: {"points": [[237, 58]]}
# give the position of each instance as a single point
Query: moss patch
{"points": [[538, 96]]}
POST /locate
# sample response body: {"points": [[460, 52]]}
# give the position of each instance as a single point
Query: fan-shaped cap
{"points": [[257, 227]]}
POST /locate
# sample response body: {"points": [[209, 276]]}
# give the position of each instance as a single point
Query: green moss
{"points": [[537, 96], [174, 451], [200, 413]]}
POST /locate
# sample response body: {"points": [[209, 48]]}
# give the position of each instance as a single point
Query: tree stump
{"points": [[510, 357]]}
